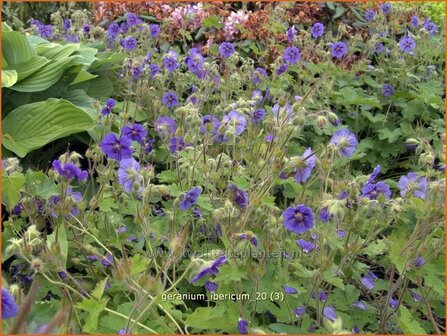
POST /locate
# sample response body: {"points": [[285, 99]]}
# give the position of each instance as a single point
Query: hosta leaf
{"points": [[28, 68], [34, 125], [83, 76], [42, 79], [61, 52], [16, 48], [100, 87], [9, 78]]}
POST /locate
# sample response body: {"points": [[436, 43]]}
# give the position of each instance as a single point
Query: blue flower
{"points": [[69, 170], [132, 19], [412, 183], [170, 99], [154, 70], [236, 121], [430, 27], [115, 148], [113, 30], [298, 219], [128, 174], [258, 115], [242, 326], [387, 90], [258, 75], [135, 132], [374, 190], [414, 21], [292, 55], [9, 306], [367, 282], [165, 125], [212, 269], [238, 196], [345, 142], [299, 311], [418, 262], [190, 198], [291, 33], [282, 68], [324, 215], [379, 48], [305, 245], [290, 290], [304, 166], [177, 144], [369, 15], [226, 49], [407, 44], [386, 8], [170, 63], [130, 43], [339, 49], [211, 286], [67, 24], [154, 30], [393, 303], [359, 305], [317, 30], [329, 313], [374, 174]]}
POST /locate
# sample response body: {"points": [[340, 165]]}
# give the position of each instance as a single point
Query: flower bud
{"points": [[36, 264], [427, 159], [333, 326], [322, 121]]}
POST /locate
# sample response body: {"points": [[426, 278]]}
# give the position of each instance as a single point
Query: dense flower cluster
{"points": [[225, 166]]}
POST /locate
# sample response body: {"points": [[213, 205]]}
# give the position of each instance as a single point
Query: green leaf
{"points": [[285, 329], [98, 292], [80, 99], [329, 277], [26, 69], [11, 187], [40, 184], [60, 52], [167, 176], [16, 48], [46, 76], [212, 21], [390, 135], [83, 76], [93, 308], [376, 248], [206, 318], [408, 323], [9, 78], [5, 27], [100, 87], [34, 125]]}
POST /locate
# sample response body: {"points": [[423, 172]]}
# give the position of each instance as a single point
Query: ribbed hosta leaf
{"points": [[9, 78], [42, 79], [61, 51], [34, 125], [16, 48], [28, 68]]}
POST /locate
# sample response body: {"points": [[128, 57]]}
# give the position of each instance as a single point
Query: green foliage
{"points": [[32, 126]]}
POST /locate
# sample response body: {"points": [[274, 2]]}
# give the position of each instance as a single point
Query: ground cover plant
{"points": [[227, 168]]}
